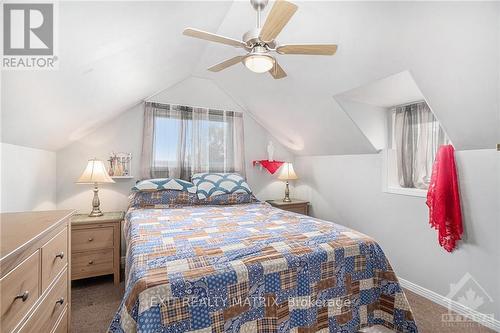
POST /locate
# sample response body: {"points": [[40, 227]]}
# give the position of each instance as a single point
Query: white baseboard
{"points": [[461, 309]]}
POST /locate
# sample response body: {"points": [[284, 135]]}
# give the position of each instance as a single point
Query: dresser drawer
{"points": [[62, 325], [92, 263], [54, 257], [21, 281], [91, 239], [50, 309]]}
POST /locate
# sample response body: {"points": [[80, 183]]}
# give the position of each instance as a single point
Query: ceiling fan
{"points": [[261, 42]]}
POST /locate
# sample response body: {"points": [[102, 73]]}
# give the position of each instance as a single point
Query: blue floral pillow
{"points": [[162, 199], [229, 199], [214, 184], [160, 184]]}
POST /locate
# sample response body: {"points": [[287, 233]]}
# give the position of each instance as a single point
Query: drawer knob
{"points": [[23, 296], [60, 301], [60, 255], [91, 239], [91, 262]]}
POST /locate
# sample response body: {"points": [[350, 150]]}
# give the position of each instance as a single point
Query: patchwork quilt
{"points": [[254, 268]]}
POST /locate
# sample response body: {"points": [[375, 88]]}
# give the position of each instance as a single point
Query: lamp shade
{"points": [[287, 172], [95, 172]]}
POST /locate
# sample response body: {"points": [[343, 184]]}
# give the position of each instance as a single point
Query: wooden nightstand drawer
{"points": [[19, 292], [301, 209], [54, 257], [296, 206], [91, 263], [91, 239]]}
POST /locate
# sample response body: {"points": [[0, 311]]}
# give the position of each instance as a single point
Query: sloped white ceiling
{"points": [[112, 55], [115, 54], [368, 106], [450, 48], [390, 91]]}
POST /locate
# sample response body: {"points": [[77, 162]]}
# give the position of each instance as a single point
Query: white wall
{"points": [[370, 119], [347, 190], [28, 178], [124, 134]]}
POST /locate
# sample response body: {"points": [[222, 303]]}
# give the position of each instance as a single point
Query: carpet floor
{"points": [[94, 302]]}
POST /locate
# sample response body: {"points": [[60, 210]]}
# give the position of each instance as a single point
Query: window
{"points": [[415, 136], [181, 140], [166, 130]]}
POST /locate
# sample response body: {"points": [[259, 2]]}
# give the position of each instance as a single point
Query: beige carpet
{"points": [[428, 316], [95, 301]]}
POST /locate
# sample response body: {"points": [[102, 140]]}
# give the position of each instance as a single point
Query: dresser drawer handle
{"points": [[91, 239], [60, 255], [23, 296], [60, 301], [91, 262]]}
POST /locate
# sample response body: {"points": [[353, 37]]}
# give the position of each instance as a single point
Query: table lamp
{"points": [[287, 173], [95, 173]]}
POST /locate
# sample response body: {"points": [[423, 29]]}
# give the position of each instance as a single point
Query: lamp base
{"points": [[96, 213], [287, 193], [96, 210]]}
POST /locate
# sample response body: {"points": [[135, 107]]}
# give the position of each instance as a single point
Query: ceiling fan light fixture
{"points": [[258, 61]]}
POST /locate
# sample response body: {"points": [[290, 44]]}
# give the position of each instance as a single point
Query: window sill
{"points": [[414, 192]]}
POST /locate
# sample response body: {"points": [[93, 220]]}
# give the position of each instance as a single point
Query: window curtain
{"points": [[180, 140], [418, 136]]}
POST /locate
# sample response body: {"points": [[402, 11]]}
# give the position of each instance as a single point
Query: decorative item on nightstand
{"points": [[95, 173], [287, 173], [120, 165], [270, 151]]}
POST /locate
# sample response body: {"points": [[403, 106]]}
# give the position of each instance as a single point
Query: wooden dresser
{"points": [[35, 271]]}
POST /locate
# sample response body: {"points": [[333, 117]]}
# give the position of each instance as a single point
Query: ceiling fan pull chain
{"points": [[258, 18]]}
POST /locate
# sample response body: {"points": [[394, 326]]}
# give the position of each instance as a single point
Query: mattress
{"points": [[254, 268]]}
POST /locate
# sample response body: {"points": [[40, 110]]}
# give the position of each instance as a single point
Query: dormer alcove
{"points": [[381, 110]]}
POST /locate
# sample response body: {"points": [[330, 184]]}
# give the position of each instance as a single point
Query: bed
{"points": [[253, 268]]}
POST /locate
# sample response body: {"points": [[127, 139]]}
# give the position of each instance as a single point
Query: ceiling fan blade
{"points": [[226, 64], [277, 72], [318, 49], [191, 32], [278, 17]]}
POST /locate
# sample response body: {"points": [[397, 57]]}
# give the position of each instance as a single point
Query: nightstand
{"points": [[296, 206], [95, 245]]}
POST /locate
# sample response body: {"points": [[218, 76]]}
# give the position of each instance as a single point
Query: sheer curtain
{"points": [[418, 136], [182, 140]]}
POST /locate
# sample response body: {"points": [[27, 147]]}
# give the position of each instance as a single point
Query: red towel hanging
{"points": [[443, 199], [271, 166]]}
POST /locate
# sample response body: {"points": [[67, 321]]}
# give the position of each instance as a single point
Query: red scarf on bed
{"points": [[443, 199]]}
